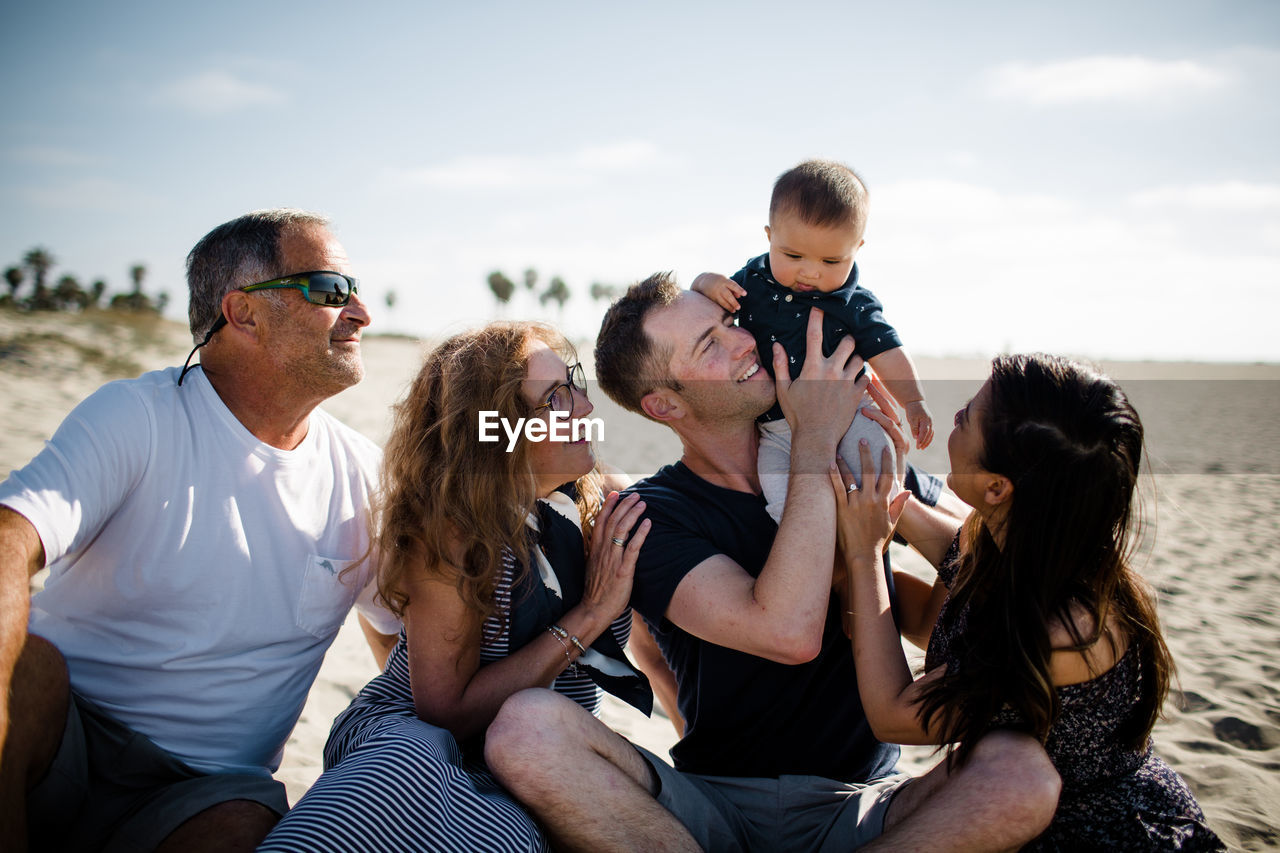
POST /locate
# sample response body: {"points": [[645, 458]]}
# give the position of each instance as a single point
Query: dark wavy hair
{"points": [[1068, 439]]}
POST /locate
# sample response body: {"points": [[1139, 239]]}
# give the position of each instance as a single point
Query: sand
{"points": [[1213, 495]]}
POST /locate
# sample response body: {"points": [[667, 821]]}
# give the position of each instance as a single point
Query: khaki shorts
{"points": [[112, 789], [787, 813]]}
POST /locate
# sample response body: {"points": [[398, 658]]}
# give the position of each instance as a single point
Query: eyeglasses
{"points": [[561, 398], [320, 287]]}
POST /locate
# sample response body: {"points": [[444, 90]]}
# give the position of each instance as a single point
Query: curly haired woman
{"points": [[509, 570]]}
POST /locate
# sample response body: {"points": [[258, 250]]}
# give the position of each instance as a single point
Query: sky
{"points": [[1092, 178]]}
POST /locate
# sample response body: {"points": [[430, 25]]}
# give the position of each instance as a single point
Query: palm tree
{"points": [[68, 293], [14, 276], [39, 261], [135, 300], [601, 292], [502, 288], [137, 272], [530, 277], [558, 292], [96, 290]]}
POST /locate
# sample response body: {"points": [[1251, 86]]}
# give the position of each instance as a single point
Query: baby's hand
{"points": [[921, 423], [725, 292]]}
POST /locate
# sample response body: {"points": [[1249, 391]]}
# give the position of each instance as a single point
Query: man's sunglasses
{"points": [[561, 397], [320, 287]]}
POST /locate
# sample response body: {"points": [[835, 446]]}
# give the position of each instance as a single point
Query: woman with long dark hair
{"points": [[1039, 622], [510, 567]]}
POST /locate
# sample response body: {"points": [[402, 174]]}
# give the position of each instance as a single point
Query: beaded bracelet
{"points": [[565, 639]]}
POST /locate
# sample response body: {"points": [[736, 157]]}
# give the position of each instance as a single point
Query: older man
{"points": [[776, 753], [197, 525]]}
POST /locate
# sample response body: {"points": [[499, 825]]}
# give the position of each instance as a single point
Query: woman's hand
{"points": [[889, 422], [611, 564], [865, 518]]}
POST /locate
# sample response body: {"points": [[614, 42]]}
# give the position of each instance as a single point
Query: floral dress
{"points": [[1113, 797]]}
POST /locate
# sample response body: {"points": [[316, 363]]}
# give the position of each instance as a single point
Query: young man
{"points": [[777, 753], [197, 529]]}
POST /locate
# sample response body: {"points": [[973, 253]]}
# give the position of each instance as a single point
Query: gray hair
{"points": [[237, 254]]}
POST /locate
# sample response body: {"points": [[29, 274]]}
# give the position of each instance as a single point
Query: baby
{"points": [[817, 217]]}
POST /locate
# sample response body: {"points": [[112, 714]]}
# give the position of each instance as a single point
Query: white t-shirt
{"points": [[195, 572]]}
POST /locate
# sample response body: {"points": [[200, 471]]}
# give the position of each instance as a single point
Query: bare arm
{"points": [[642, 645], [452, 690], [780, 615], [918, 604], [21, 556], [885, 685], [724, 291], [379, 643], [898, 372], [650, 660], [930, 531]]}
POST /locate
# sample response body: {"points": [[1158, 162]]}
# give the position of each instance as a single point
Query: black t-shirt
{"points": [[745, 715]]}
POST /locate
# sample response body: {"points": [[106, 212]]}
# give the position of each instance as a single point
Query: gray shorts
{"points": [[112, 789], [788, 813]]}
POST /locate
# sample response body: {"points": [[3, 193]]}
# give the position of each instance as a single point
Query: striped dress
{"points": [[393, 782]]}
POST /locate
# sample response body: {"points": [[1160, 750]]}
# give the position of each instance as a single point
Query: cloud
{"points": [[1102, 78], [474, 173], [575, 169], [949, 203], [218, 92], [966, 267], [1239, 196]]}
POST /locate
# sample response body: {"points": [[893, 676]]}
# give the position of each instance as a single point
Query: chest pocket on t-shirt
{"points": [[326, 596]]}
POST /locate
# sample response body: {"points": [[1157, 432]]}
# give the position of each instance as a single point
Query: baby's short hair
{"points": [[822, 193]]}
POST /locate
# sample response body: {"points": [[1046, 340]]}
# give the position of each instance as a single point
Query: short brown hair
{"points": [[822, 193], [628, 363]]}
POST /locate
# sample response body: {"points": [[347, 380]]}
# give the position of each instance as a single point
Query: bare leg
{"points": [[236, 825], [38, 700], [585, 783], [1003, 797], [949, 503]]}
